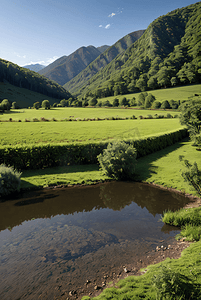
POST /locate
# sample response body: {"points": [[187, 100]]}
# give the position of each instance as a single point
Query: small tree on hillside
{"points": [[36, 105], [165, 105], [5, 104], [115, 102], [46, 104], [93, 102]]}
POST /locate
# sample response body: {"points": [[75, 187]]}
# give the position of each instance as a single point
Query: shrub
{"points": [[9, 180], [156, 104], [165, 105], [173, 285], [118, 160]]}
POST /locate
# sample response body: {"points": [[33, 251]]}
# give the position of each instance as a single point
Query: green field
{"points": [[79, 113], [13, 133]]}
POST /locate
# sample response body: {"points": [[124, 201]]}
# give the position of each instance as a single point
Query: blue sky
{"points": [[40, 31]]}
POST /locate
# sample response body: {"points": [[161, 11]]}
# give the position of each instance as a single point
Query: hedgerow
{"points": [[51, 155]]}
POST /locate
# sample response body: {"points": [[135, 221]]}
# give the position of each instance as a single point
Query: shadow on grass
{"points": [[145, 165], [61, 170]]}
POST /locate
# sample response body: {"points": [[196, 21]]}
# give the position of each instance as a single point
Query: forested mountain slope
{"points": [[167, 54], [24, 78], [65, 68], [103, 60]]}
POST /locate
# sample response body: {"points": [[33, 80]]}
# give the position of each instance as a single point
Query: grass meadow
{"points": [[175, 93], [65, 113], [13, 133]]}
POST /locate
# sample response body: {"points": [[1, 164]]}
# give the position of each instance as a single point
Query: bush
{"points": [[156, 104], [118, 160], [165, 105], [9, 180]]}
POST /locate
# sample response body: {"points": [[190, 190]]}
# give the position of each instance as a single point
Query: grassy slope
{"points": [[23, 97], [176, 93]]}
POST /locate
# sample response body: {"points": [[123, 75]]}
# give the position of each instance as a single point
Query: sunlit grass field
{"points": [[13, 133], [175, 93], [80, 113]]}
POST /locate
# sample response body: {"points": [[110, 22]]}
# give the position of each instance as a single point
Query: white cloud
{"points": [[51, 60], [40, 62], [107, 26], [112, 15], [20, 56], [100, 26]]}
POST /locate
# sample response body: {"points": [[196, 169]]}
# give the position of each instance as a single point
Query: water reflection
{"points": [[65, 237]]}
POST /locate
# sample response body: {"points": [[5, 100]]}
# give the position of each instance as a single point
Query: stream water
{"points": [[53, 241]]}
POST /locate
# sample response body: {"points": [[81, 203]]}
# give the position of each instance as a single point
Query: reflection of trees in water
{"points": [[114, 195], [117, 195]]}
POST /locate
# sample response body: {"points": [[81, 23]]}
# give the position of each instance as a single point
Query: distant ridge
{"points": [[66, 67], [34, 67], [103, 60]]}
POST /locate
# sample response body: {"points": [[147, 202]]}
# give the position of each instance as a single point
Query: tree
{"points": [[156, 104], [123, 102], [14, 105], [64, 103], [118, 160], [36, 105], [132, 102], [93, 102], [165, 104], [149, 100], [141, 99], [46, 104], [174, 104], [5, 104], [115, 102], [191, 117]]}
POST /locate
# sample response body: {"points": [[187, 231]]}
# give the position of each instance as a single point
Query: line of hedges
{"points": [[51, 155]]}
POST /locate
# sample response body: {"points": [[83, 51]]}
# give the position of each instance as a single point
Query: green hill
{"points": [[167, 54], [30, 81], [101, 61]]}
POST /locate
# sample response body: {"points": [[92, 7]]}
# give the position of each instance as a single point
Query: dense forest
{"points": [[167, 54], [24, 78]]}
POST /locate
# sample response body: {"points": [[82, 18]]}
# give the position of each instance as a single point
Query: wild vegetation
{"points": [[9, 180]]}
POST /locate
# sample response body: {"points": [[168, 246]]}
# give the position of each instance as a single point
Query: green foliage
{"points": [[174, 285], [50, 155], [5, 105], [188, 219], [36, 105], [118, 160], [9, 180], [115, 102], [156, 104], [45, 104], [191, 117], [192, 175], [93, 102], [165, 104]]}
